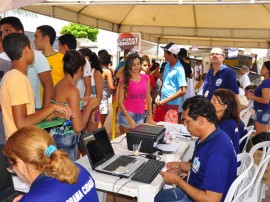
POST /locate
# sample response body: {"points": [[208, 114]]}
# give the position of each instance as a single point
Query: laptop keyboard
{"points": [[120, 161], [148, 171], [10, 197]]}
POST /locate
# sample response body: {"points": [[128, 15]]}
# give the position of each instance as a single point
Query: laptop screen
{"points": [[5, 177], [98, 147]]}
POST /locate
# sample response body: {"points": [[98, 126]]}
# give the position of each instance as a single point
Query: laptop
{"points": [[102, 157], [7, 191]]}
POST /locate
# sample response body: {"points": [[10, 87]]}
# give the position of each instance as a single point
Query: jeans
{"points": [[68, 143], [262, 116], [172, 195], [122, 120]]}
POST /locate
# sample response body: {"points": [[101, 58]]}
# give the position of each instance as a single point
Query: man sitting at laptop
{"points": [[213, 165]]}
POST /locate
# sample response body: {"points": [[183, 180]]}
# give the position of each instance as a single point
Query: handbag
{"points": [[160, 112]]}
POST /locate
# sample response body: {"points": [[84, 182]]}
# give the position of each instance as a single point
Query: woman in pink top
{"points": [[134, 88]]}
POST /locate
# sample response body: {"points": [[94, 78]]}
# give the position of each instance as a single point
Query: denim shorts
{"points": [[68, 143], [122, 120], [263, 117]]}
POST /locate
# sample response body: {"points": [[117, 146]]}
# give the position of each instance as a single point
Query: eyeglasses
{"points": [[10, 167], [216, 54]]}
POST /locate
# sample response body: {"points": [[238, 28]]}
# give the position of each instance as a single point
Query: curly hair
{"points": [[29, 144]]}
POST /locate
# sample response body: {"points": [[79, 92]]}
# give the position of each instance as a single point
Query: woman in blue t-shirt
{"points": [[52, 175], [261, 99], [228, 109]]}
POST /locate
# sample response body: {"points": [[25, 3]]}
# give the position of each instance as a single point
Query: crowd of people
{"points": [[76, 85]]}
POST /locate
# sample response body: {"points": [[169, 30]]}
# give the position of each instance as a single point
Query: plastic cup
{"points": [[135, 149]]}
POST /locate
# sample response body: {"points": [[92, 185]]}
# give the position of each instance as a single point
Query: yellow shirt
{"points": [[56, 64], [15, 90]]}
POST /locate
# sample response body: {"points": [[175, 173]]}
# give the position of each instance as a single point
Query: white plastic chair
{"points": [[246, 163], [246, 137], [255, 192], [245, 115]]}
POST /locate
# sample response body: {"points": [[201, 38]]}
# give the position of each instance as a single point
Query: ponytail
{"points": [[31, 144]]}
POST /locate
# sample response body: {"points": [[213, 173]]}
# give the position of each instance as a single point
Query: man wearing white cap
{"points": [[174, 84], [220, 76]]}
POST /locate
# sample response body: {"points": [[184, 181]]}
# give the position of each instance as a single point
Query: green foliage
{"points": [[80, 31]]}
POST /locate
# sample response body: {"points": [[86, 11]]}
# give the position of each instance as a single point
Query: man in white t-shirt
{"points": [[39, 73], [67, 42], [198, 70], [244, 79]]}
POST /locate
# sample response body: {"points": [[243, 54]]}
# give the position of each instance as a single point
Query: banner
{"points": [[131, 41]]}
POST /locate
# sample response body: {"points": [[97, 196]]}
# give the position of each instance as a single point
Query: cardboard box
{"points": [[266, 176]]}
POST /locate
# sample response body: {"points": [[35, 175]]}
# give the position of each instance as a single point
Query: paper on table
{"points": [[168, 147], [173, 127]]}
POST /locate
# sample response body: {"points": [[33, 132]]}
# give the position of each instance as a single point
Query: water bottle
{"points": [[168, 138]]}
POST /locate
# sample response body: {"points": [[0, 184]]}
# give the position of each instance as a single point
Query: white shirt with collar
{"points": [[244, 80]]}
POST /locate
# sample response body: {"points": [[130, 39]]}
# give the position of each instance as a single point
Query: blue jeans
{"points": [[122, 120], [68, 143], [172, 195]]}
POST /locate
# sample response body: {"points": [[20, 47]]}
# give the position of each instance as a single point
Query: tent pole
{"points": [[157, 49]]}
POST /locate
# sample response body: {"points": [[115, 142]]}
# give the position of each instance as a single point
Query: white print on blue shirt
{"points": [[81, 193], [218, 82], [196, 164]]}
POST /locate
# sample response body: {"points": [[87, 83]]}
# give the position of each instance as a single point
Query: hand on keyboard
{"points": [[164, 169]]}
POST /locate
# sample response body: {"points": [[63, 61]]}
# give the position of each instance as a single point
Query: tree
{"points": [[80, 31]]}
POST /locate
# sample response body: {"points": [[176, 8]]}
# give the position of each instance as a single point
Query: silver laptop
{"points": [[102, 157], [7, 191]]}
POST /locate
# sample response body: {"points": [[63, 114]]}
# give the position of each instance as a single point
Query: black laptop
{"points": [[102, 157], [7, 191]]}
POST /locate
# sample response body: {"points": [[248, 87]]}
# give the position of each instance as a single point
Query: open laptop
{"points": [[7, 191], [102, 157]]}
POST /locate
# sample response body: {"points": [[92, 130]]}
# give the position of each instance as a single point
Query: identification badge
{"points": [[218, 82], [206, 93], [196, 164]]}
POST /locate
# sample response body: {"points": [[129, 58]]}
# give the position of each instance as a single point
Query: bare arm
{"points": [[196, 194], [47, 83], [79, 119], [119, 73], [87, 84], [21, 118], [149, 103], [121, 98], [264, 99], [178, 94], [99, 86]]}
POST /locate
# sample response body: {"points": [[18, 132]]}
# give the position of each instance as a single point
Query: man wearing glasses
{"points": [[220, 76]]}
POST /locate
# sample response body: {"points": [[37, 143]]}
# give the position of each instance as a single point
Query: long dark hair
{"points": [[233, 107], [128, 64], [95, 64]]}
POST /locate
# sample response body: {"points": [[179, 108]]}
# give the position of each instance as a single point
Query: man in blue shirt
{"points": [[174, 84], [213, 166], [220, 76]]}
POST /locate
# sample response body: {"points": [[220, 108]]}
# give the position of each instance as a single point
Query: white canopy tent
{"points": [[201, 22], [228, 23]]}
